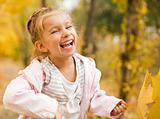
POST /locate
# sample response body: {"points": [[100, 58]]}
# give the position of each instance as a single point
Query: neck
{"points": [[61, 63]]}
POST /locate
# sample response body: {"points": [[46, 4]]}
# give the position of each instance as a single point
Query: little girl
{"points": [[59, 83]]}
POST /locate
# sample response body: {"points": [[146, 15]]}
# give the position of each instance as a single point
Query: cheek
{"points": [[52, 44], [75, 34], [76, 37], [54, 39], [57, 37], [76, 42]]}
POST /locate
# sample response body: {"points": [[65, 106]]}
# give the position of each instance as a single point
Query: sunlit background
{"points": [[123, 36]]}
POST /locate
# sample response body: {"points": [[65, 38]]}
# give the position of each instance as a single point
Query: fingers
{"points": [[120, 108], [123, 102], [124, 107], [114, 112], [58, 116]]}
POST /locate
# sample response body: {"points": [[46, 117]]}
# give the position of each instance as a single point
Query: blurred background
{"points": [[123, 36]]}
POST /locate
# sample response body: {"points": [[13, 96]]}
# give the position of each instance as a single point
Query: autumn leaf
{"points": [[149, 98], [154, 112], [145, 97]]}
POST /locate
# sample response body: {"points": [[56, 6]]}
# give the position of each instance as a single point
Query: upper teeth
{"points": [[68, 42]]}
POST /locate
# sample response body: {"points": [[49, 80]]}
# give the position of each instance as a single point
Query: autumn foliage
{"points": [[123, 36]]}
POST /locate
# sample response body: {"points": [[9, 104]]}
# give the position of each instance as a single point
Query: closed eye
{"points": [[69, 27], [55, 31]]}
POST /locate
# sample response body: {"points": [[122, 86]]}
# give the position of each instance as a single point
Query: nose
{"points": [[66, 33]]}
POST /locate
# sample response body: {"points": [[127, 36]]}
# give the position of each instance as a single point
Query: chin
{"points": [[69, 54]]}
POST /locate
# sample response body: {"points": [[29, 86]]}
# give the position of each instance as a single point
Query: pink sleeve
{"points": [[100, 103], [20, 97]]}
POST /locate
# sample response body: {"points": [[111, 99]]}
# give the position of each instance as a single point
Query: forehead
{"points": [[55, 19]]}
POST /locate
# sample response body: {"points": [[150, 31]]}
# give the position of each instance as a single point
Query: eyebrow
{"points": [[55, 27]]}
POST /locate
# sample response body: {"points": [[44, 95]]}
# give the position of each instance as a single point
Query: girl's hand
{"points": [[119, 109], [58, 116]]}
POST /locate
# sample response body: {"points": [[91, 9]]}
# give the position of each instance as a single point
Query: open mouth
{"points": [[67, 44]]}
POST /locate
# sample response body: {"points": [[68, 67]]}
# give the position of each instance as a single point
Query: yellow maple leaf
{"points": [[145, 97], [154, 111], [156, 86], [149, 98]]}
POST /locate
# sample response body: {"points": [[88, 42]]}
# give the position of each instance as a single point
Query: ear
{"points": [[40, 46]]}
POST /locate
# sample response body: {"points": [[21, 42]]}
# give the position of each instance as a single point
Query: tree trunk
{"points": [[43, 3], [125, 55], [158, 17], [130, 49], [89, 29]]}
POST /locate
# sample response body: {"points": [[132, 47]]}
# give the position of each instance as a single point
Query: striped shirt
{"points": [[68, 94]]}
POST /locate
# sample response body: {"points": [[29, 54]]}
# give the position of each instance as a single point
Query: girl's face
{"points": [[59, 36]]}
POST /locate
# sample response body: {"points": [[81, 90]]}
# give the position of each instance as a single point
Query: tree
{"points": [[13, 11], [43, 3], [153, 22], [109, 17], [153, 18], [88, 40], [133, 33]]}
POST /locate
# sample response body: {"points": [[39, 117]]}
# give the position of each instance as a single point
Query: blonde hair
{"points": [[35, 25]]}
